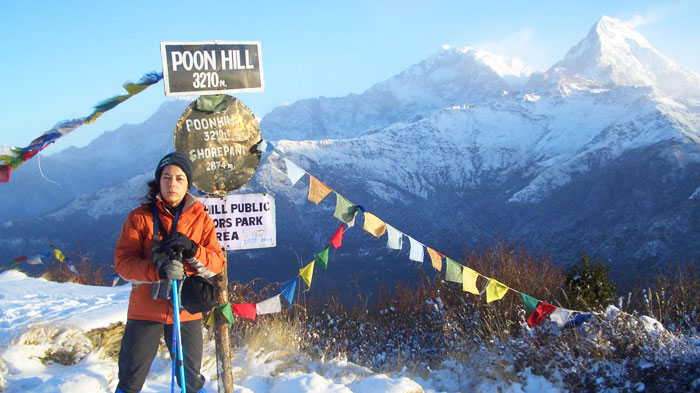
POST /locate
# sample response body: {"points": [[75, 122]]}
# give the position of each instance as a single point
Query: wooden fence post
{"points": [[221, 333]]}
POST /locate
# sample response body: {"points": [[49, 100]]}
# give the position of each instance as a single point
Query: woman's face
{"points": [[173, 185]]}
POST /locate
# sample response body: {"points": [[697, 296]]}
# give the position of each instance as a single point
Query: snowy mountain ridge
{"points": [[452, 76], [462, 138], [512, 70]]}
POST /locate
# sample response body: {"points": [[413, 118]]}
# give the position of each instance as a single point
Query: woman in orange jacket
{"points": [[147, 256]]}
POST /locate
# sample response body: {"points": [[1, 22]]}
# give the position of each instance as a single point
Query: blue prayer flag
{"points": [[288, 289]]}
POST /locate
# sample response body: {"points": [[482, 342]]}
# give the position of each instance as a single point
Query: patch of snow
{"points": [[652, 326], [612, 312], [26, 301], [531, 97]]}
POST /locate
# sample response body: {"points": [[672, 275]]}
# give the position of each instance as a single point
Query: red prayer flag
{"points": [[337, 239], [244, 310], [20, 258], [29, 154], [540, 314], [4, 173]]}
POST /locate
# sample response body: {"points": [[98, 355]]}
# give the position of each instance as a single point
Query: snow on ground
{"points": [[39, 317], [25, 301]]}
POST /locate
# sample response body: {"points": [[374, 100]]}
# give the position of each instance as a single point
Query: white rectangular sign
{"points": [[243, 221]]}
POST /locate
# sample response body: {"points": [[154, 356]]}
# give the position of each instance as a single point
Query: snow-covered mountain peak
{"points": [[504, 66], [475, 61], [448, 77], [615, 54], [616, 34]]}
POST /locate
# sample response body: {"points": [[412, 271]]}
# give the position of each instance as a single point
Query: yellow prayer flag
{"points": [[469, 277], [374, 225], [210, 320], [317, 190], [307, 273], [58, 254], [435, 258], [495, 290]]}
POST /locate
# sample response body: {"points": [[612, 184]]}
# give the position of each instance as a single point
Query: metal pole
{"points": [[224, 359]]}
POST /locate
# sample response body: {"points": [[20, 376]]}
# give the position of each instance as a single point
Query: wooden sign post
{"points": [[222, 334], [220, 136]]}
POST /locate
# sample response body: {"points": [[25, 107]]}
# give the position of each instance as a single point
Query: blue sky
{"points": [[59, 59]]}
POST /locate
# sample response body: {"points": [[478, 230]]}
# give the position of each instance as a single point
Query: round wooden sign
{"points": [[221, 142]]}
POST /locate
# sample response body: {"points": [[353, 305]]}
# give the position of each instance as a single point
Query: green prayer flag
{"points": [[530, 302], [454, 271], [227, 312], [322, 257], [213, 102], [345, 210]]}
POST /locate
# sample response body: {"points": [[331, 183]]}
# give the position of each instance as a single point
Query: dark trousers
{"points": [[140, 345]]}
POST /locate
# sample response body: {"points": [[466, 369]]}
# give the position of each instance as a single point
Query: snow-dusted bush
{"points": [[433, 330], [614, 351], [426, 328], [55, 344]]}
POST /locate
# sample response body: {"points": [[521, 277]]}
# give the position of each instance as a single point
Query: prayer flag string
{"points": [[346, 212], [12, 157]]}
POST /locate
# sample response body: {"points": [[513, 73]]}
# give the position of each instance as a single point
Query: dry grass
{"points": [[56, 344], [108, 339], [671, 296], [520, 270]]}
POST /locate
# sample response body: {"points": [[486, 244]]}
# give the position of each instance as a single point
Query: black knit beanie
{"points": [[179, 159]]}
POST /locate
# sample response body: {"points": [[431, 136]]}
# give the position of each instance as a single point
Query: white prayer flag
{"points": [[34, 260], [269, 306], [560, 316], [395, 238], [417, 252], [73, 269], [294, 172]]}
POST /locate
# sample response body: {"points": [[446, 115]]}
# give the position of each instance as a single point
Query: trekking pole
{"points": [[177, 338], [173, 345]]}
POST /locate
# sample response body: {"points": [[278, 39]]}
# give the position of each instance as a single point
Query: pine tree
{"points": [[588, 284]]}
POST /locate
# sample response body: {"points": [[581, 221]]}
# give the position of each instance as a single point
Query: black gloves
{"points": [[159, 256], [172, 270], [167, 263], [177, 241], [165, 256]]}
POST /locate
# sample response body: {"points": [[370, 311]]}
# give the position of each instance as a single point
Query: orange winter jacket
{"points": [[132, 256]]}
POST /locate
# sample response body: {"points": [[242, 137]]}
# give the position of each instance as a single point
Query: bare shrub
{"points": [[520, 270], [87, 273], [671, 296]]}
